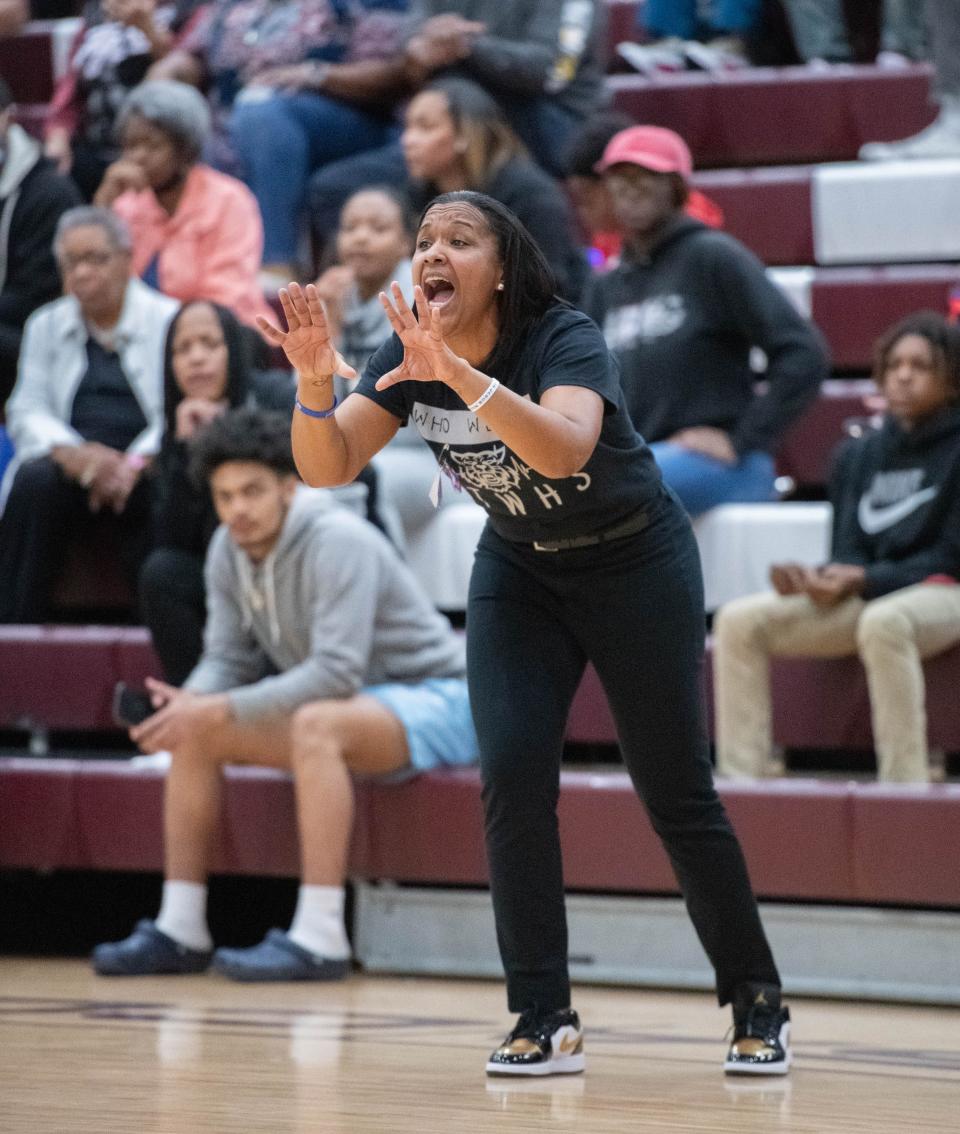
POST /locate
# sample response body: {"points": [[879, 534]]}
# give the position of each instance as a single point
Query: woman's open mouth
{"points": [[439, 291]]}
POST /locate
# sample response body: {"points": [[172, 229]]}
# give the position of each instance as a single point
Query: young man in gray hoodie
{"points": [[322, 656]]}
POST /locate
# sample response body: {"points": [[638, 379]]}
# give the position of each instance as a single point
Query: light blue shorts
{"points": [[435, 715]]}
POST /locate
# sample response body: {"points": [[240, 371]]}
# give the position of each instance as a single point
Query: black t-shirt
{"points": [[564, 348], [105, 408]]}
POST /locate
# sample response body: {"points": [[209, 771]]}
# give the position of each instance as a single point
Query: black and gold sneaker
{"points": [[761, 1036], [541, 1045]]}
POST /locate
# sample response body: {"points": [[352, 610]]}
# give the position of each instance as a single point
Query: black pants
{"points": [[173, 607], [633, 607], [45, 512]]}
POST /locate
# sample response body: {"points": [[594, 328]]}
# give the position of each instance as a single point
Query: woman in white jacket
{"points": [[86, 413]]}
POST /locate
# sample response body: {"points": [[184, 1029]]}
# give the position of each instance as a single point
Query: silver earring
{"points": [[499, 287]]}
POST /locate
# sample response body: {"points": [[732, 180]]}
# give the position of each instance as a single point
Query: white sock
{"points": [[317, 924], [183, 914]]}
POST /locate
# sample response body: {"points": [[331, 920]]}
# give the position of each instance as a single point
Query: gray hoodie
{"points": [[331, 609]]}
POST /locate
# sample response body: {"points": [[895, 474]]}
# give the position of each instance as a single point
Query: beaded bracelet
{"points": [[485, 396], [317, 413]]}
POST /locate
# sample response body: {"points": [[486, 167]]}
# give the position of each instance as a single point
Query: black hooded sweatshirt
{"points": [[896, 501], [682, 323]]}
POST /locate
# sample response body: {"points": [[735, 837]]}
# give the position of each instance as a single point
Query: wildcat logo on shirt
{"points": [[489, 472], [891, 497], [655, 318]]}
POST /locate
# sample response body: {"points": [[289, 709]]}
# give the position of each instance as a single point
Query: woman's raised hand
{"points": [[306, 342], [426, 357]]}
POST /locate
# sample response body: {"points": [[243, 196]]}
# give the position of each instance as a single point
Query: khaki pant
{"points": [[891, 634]]}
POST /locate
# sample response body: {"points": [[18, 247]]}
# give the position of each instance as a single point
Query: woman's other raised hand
{"points": [[307, 341], [426, 357]]}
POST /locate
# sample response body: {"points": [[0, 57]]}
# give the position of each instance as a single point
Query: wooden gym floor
{"points": [[381, 1055]]}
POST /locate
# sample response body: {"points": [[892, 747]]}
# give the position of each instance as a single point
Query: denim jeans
{"points": [[679, 17], [284, 138], [634, 608], [703, 482]]}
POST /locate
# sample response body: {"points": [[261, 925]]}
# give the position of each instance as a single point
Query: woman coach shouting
{"points": [[585, 557]]}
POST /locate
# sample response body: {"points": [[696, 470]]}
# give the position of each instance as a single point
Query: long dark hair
{"points": [[944, 340], [239, 364], [488, 139], [529, 286]]}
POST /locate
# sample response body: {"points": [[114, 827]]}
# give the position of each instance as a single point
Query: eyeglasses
{"points": [[92, 259]]}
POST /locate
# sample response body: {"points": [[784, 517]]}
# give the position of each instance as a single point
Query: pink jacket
{"points": [[211, 248]]}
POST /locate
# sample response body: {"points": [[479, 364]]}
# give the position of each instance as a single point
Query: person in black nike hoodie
{"points": [[682, 314], [890, 591]]}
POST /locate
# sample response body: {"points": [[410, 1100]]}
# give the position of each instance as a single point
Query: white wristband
{"points": [[485, 396]]}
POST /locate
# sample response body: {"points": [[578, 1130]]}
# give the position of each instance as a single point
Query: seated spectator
{"points": [[374, 242], [294, 85], [86, 413], [889, 592], [941, 139], [591, 198], [321, 656], [32, 197], [820, 32], [206, 371], [456, 137], [117, 42], [712, 36], [541, 62], [682, 313], [196, 233]]}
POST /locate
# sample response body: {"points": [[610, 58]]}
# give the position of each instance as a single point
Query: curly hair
{"points": [[245, 434], [944, 340]]}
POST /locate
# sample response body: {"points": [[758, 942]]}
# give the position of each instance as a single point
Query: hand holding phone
{"points": [[131, 706]]}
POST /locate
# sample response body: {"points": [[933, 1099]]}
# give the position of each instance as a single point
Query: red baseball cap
{"points": [[652, 147]]}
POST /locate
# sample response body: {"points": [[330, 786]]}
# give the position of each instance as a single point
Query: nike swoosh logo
{"points": [[875, 518], [569, 1043]]}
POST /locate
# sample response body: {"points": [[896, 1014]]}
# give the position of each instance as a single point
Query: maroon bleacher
{"points": [[806, 452], [767, 208], [848, 838], [621, 25], [93, 580], [817, 703], [853, 306], [780, 115], [62, 678], [26, 63]]}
